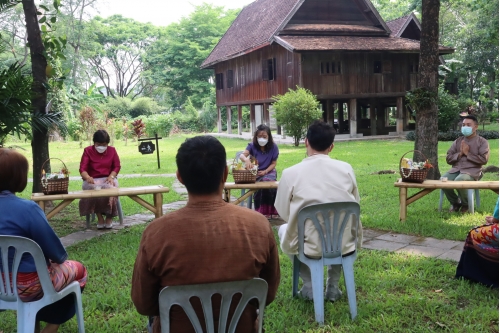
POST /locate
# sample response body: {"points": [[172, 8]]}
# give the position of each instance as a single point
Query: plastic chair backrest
{"points": [[18, 246], [330, 233], [181, 295]]}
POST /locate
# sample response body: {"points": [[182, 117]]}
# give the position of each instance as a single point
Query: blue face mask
{"points": [[466, 130]]}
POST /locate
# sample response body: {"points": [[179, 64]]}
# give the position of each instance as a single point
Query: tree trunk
{"points": [[40, 142], [427, 117]]}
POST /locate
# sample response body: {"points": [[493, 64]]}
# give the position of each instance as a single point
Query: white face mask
{"points": [[262, 142], [101, 149]]}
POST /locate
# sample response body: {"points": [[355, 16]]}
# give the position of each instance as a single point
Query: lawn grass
{"points": [[395, 293], [379, 197]]}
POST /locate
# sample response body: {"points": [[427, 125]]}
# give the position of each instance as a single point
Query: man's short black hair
{"points": [[320, 135], [471, 117], [101, 136], [201, 162]]}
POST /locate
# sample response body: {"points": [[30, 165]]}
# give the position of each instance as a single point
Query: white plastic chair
{"points": [[180, 295], [332, 251], [9, 299], [471, 193]]}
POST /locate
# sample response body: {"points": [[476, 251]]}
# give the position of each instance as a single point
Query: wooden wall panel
{"points": [[356, 79], [249, 85]]}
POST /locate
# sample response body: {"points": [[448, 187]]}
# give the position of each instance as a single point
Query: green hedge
{"points": [[453, 135]]}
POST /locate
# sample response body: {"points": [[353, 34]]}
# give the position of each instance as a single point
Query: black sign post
{"points": [[147, 147]]}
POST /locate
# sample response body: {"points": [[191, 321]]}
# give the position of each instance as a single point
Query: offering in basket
{"points": [[242, 175], [55, 182], [412, 171]]}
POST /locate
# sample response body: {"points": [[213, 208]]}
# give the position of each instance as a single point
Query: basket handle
{"points": [[409, 151], [401, 160], [53, 158]]}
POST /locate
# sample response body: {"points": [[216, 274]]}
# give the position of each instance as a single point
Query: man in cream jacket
{"points": [[317, 179]]}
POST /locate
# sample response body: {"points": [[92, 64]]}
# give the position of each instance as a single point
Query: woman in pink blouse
{"points": [[99, 167]]}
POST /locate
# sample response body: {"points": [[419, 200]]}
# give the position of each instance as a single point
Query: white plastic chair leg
{"points": [[120, 212], [350, 286], [441, 195], [317, 287]]}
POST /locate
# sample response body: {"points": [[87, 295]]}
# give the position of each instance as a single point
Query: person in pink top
{"points": [[99, 167]]}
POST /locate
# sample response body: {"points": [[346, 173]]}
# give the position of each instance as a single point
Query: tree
{"points": [[115, 53], [174, 60], [296, 110], [426, 126], [39, 69]]}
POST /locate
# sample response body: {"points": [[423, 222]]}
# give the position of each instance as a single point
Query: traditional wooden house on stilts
{"points": [[357, 65]]}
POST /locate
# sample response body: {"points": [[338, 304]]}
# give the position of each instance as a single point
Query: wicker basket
{"points": [[243, 176], [413, 175], [54, 186]]}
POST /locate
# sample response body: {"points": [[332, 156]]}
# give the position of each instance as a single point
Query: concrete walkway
{"points": [[372, 239], [289, 140]]}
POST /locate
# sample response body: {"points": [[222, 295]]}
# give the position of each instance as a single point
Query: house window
{"points": [[377, 66], [332, 67], [230, 78], [269, 69], [219, 81], [242, 76], [387, 66], [413, 67]]}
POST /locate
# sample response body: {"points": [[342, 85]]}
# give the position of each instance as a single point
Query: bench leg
{"points": [[158, 202], [402, 203]]}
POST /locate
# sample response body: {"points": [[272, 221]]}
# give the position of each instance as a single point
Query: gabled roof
{"points": [[260, 21], [406, 25], [352, 43]]}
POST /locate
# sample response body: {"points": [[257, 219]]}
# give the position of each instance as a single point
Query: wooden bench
{"points": [[252, 188], [132, 192], [430, 185]]}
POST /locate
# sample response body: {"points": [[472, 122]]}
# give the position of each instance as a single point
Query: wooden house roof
{"points": [[304, 25], [407, 26], [352, 43]]}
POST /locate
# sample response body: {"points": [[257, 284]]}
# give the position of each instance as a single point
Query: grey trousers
{"points": [[452, 197]]}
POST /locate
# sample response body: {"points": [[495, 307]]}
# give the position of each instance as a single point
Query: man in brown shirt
{"points": [[207, 241], [467, 155]]}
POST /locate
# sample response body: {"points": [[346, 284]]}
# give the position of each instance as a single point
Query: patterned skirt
{"points": [[264, 199], [106, 206], [479, 259], [61, 275]]}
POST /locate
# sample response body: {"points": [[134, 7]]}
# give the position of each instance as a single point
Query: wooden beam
{"points": [[253, 126], [240, 120], [353, 124], [228, 119], [399, 113], [219, 121], [373, 120]]}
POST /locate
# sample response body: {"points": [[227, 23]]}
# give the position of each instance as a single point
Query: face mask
{"points": [[101, 149], [262, 142], [466, 130]]}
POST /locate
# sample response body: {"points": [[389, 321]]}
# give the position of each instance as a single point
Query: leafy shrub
{"points": [[453, 135], [118, 107], [295, 110], [158, 123], [74, 129], [143, 106], [448, 109]]}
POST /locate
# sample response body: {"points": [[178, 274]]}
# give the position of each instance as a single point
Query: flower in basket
{"points": [[241, 166], [65, 172]]}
